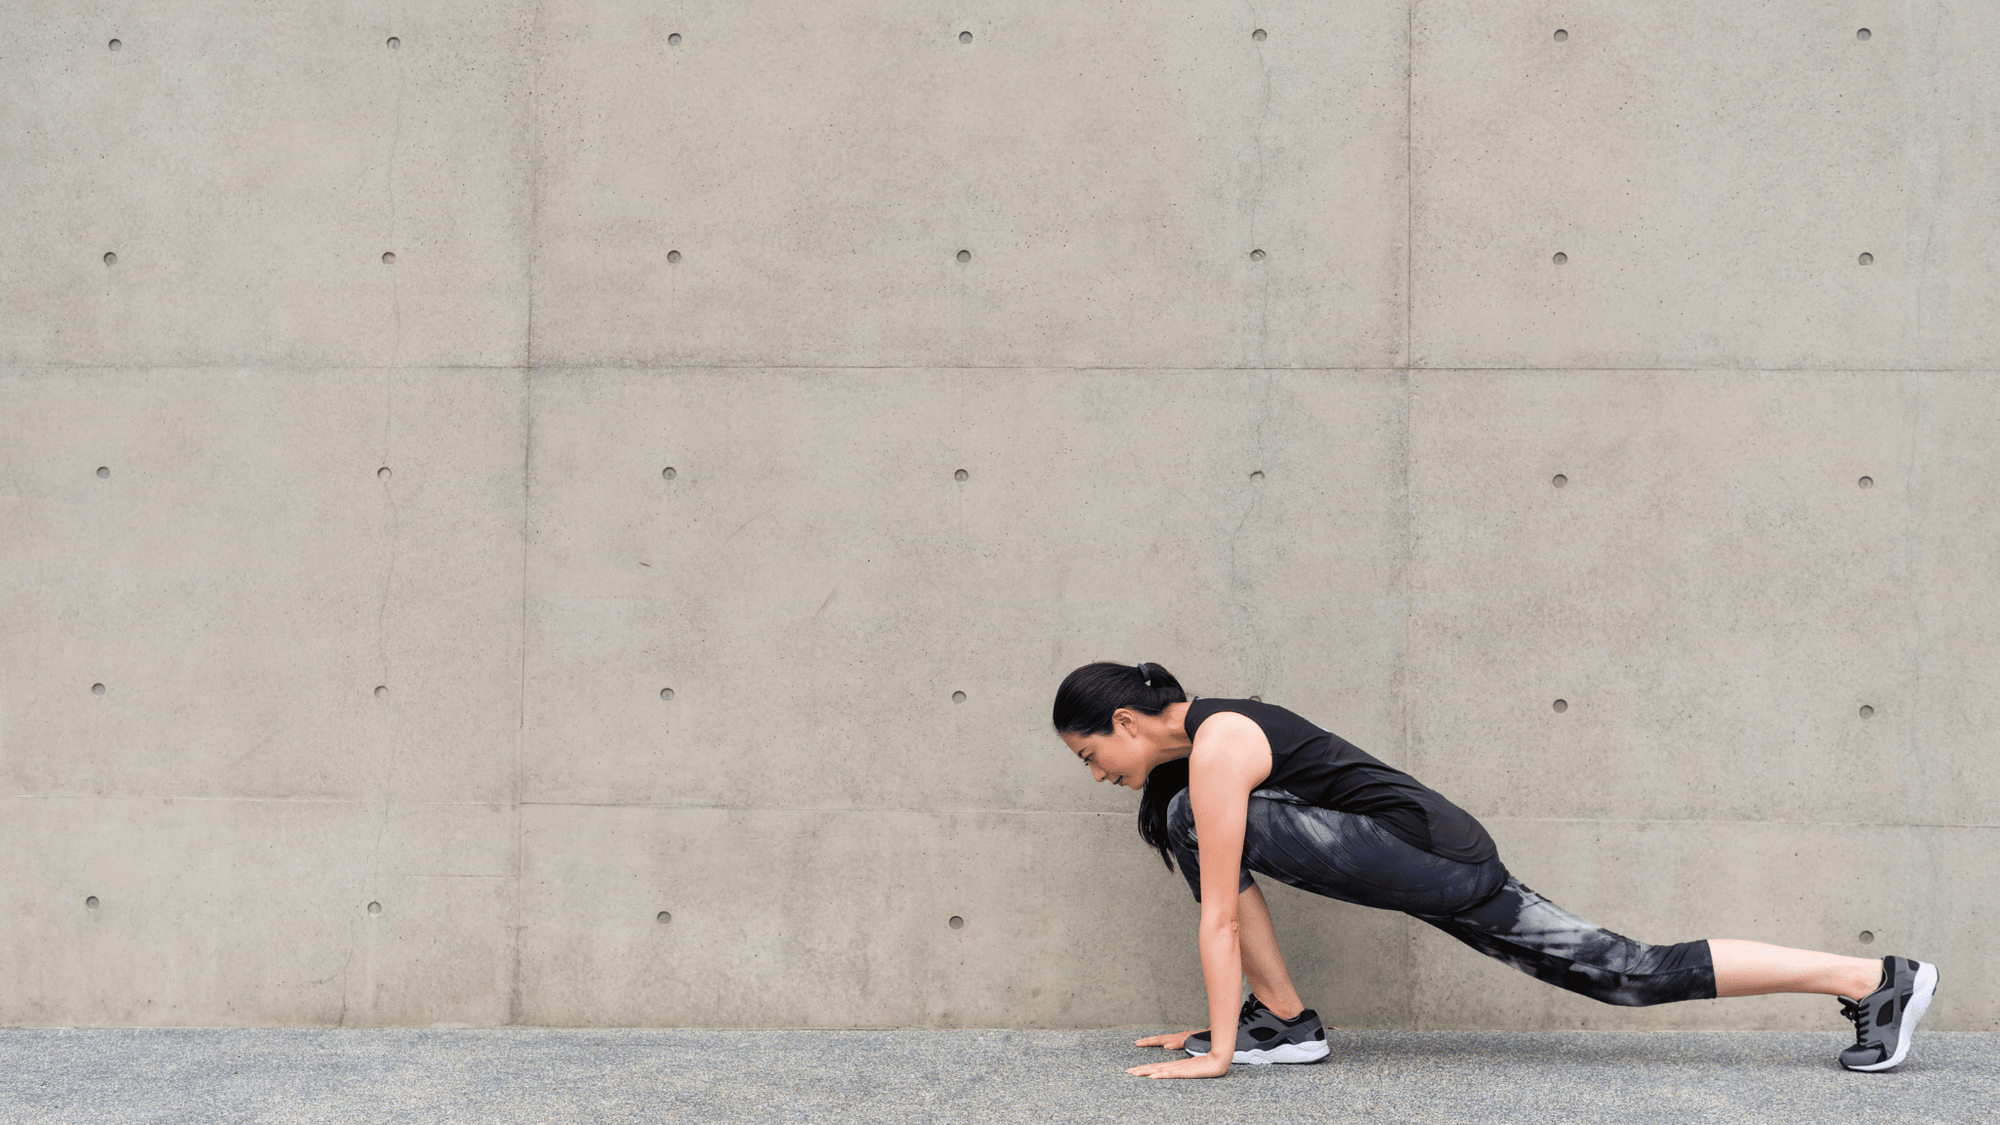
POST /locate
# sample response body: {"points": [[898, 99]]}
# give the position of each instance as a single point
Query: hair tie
{"points": [[1143, 675]]}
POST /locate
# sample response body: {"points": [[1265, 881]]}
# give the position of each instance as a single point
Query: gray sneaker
{"points": [[1262, 1037], [1885, 1019]]}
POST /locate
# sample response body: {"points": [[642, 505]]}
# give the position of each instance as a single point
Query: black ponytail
{"points": [[1084, 705]]}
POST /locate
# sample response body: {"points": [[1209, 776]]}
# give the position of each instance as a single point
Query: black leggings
{"points": [[1354, 859]]}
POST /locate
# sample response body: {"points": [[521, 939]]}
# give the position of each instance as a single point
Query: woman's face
{"points": [[1122, 757]]}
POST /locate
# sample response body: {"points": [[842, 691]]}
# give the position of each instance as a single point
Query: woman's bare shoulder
{"points": [[1230, 742]]}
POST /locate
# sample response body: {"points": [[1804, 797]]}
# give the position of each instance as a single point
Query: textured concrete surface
{"points": [[1713, 172], [383, 576], [1715, 598], [249, 165], [1448, 1078], [1110, 168]]}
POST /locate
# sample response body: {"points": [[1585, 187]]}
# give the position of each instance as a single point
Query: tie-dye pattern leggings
{"points": [[1354, 859]]}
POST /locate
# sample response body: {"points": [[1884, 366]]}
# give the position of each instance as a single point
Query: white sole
{"points": [[1285, 1053], [1920, 1002]]}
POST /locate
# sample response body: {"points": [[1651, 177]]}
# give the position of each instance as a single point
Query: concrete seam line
{"points": [[684, 365]]}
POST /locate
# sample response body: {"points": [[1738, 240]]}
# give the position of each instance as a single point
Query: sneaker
{"points": [[1263, 1038], [1885, 1019]]}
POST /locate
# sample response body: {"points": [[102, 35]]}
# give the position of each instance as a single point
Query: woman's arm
{"points": [[1227, 763]]}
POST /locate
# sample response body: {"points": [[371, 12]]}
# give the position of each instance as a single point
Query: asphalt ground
{"points": [[505, 1076]]}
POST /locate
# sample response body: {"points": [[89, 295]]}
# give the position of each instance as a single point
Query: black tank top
{"points": [[1323, 769]]}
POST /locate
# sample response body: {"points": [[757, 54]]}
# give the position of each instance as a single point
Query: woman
{"points": [[1235, 785]]}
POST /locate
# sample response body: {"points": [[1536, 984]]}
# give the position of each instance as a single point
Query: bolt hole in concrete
{"points": [[958, 697], [673, 256], [965, 255], [960, 475], [395, 44], [1867, 712], [97, 689], [389, 258], [956, 922], [1257, 477], [103, 471], [90, 903], [1561, 706], [1561, 35], [1867, 259], [668, 473], [1867, 937], [374, 908], [116, 45], [1258, 35], [663, 917], [965, 37], [674, 39], [110, 258], [1866, 482], [666, 693], [1861, 35], [1256, 255], [1560, 481], [381, 691], [383, 473], [1560, 258]]}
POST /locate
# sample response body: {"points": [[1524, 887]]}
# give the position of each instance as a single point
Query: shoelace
{"points": [[1858, 1014], [1243, 1016]]}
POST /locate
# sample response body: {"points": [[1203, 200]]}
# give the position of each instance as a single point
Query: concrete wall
{"points": [[382, 575]]}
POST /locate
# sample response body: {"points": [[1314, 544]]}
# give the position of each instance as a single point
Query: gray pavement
{"points": [[494, 1076]]}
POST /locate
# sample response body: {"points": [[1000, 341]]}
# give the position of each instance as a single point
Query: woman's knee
{"points": [[1549, 943], [1661, 974]]}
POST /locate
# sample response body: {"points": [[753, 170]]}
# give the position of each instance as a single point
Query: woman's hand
{"points": [[1172, 1042], [1211, 1065]]}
